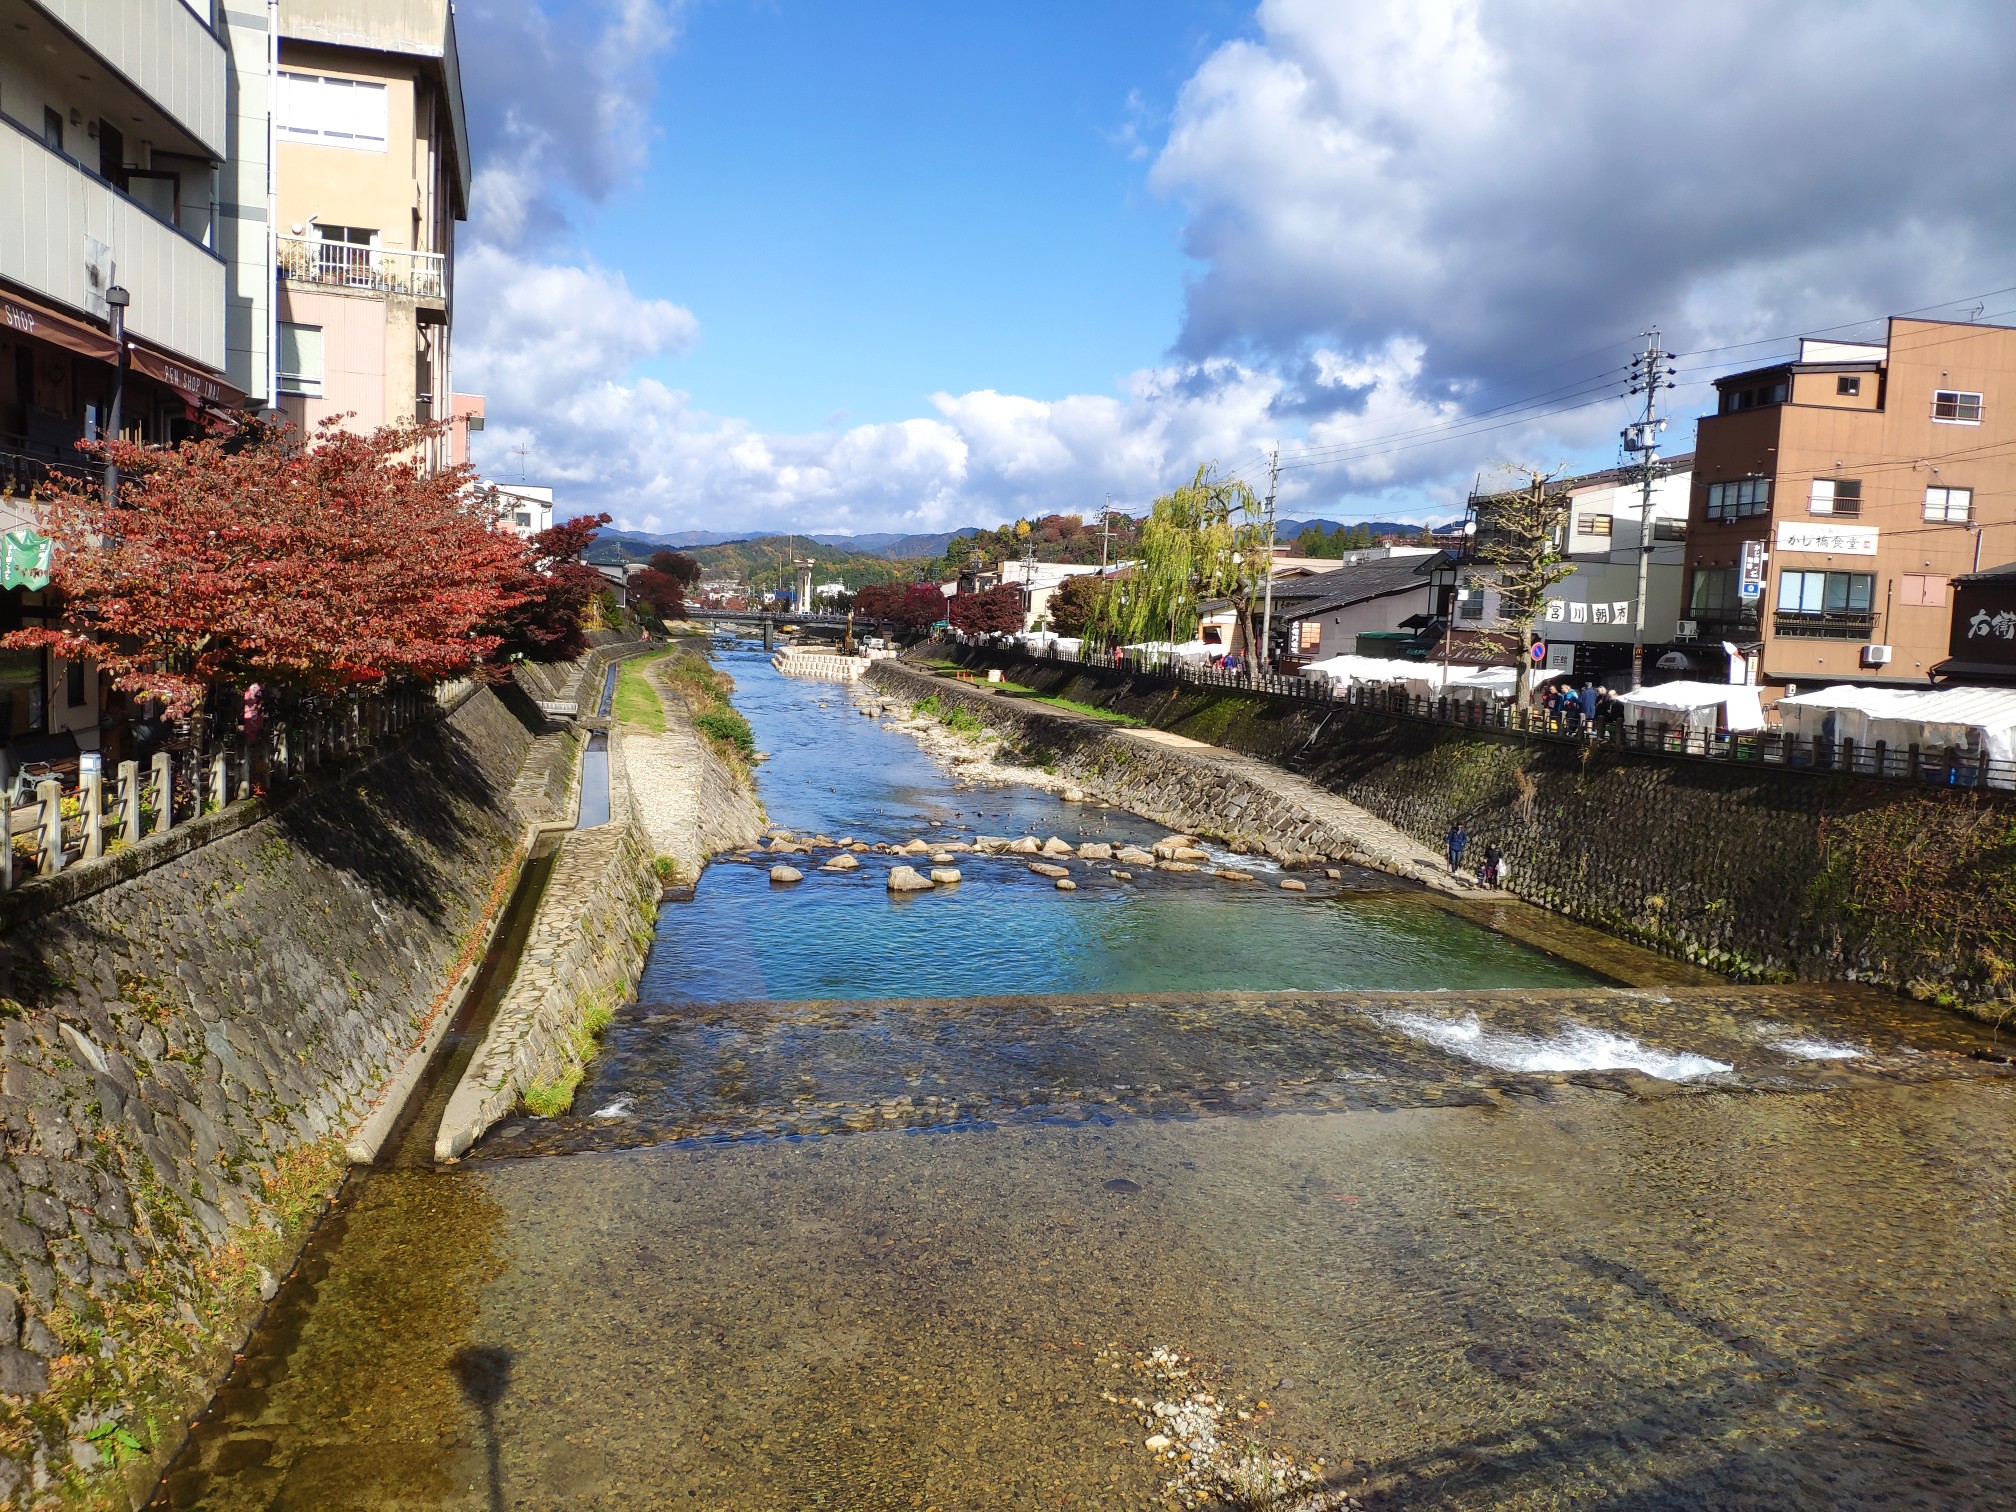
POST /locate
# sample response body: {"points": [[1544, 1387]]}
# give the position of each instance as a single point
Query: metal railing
{"points": [[44, 829], [22, 471], [378, 270], [1937, 766]]}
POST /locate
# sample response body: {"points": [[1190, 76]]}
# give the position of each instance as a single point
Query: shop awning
{"points": [[27, 317], [198, 386]]}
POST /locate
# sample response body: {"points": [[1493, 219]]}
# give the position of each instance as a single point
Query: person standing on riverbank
{"points": [[1459, 838]]}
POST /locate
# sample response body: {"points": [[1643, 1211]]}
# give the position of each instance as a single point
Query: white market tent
{"points": [[1972, 720], [1476, 684], [1702, 706], [1361, 669], [1195, 650]]}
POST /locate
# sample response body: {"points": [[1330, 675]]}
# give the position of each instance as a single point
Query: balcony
{"points": [[162, 50], [1844, 625], [56, 207], [367, 270]]}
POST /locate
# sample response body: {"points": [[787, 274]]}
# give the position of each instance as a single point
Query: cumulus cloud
{"points": [[1408, 218]]}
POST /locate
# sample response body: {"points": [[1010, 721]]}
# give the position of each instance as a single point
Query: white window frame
{"points": [[1958, 399], [1825, 498], [1939, 505], [309, 385], [322, 99], [1589, 523]]}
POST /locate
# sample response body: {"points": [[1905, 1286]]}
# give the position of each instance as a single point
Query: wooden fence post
{"points": [[128, 793], [91, 802], [6, 843], [162, 776], [50, 792]]}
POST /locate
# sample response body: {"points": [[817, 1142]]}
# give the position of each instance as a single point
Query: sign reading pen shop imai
{"points": [[1822, 539]]}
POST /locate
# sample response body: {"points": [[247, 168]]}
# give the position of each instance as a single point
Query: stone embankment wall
{"points": [[1759, 873], [189, 1044], [581, 959]]}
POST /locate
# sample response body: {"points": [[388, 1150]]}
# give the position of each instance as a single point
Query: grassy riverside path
{"points": [[691, 798]]}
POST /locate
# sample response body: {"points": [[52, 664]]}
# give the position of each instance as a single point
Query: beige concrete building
{"points": [[1836, 497], [373, 175]]}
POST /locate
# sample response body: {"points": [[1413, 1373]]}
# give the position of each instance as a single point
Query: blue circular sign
{"points": [[1539, 652]]}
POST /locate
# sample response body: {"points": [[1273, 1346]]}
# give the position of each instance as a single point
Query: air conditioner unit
{"points": [[1686, 630], [1875, 656]]}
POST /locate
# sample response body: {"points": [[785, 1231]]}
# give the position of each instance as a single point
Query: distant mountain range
{"points": [[613, 546]]}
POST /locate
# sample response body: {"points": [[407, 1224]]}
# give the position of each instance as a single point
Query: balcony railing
{"points": [[1840, 625], [375, 270]]}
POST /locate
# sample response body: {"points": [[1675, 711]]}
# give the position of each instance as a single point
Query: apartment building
{"points": [[1836, 497], [1590, 619], [373, 175], [118, 132]]}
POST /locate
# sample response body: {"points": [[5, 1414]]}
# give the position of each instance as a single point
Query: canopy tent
{"points": [[1975, 721], [1043, 644], [1702, 706], [1194, 650], [1475, 684]]}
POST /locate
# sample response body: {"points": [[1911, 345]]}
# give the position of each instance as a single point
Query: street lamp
{"points": [[116, 300]]}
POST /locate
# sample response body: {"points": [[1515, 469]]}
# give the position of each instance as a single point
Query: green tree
{"points": [[1194, 546]]}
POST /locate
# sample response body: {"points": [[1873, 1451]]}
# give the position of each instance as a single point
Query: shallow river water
{"points": [[1534, 1242]]}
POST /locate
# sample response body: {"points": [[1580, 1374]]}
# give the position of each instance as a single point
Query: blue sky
{"points": [[828, 267]]}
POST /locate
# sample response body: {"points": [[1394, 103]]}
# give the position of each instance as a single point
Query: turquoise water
{"points": [[1004, 929]]}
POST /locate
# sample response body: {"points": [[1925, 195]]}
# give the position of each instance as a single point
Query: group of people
{"points": [[1490, 871], [1589, 706]]}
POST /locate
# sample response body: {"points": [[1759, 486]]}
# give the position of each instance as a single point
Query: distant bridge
{"points": [[769, 619]]}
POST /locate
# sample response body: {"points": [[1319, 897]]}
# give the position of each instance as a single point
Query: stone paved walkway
{"points": [[688, 806]]}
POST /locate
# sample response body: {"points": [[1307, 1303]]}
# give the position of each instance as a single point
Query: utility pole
{"points": [[1105, 533], [1649, 374], [1267, 562]]}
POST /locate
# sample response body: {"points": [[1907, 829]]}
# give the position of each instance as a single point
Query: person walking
{"points": [[1494, 859], [1458, 839]]}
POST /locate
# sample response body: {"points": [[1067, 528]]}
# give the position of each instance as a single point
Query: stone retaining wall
{"points": [[582, 958], [187, 1051], [1760, 873]]}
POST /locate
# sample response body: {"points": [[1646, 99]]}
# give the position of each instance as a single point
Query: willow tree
{"points": [[1194, 546]]}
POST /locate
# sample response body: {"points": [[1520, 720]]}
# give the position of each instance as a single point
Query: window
{"points": [[1597, 525], [1952, 407], [346, 255], [1847, 385], [73, 684], [1739, 500], [1836, 496], [52, 129], [1470, 604], [1669, 530], [1714, 595], [522, 519], [1826, 592], [300, 359], [1949, 506], [1753, 397], [332, 112], [1922, 590]]}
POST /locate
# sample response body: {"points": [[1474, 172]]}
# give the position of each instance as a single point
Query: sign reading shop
{"points": [[1821, 538]]}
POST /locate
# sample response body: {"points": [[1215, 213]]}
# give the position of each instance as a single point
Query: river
{"points": [[1000, 1197]]}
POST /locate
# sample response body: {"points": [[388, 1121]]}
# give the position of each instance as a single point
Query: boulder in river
{"points": [[1074, 795], [944, 875], [941, 858], [1045, 869], [1293, 884], [1178, 866], [1123, 876], [1133, 855], [1065, 884], [786, 874], [989, 845], [1028, 845], [1095, 850], [1190, 853], [1333, 874], [914, 848], [842, 862], [1056, 846], [908, 879], [1233, 874]]}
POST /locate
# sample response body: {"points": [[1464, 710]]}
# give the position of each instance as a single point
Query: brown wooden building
{"points": [[1836, 497]]}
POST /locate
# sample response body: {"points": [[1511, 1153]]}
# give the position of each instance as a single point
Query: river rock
{"points": [[944, 874], [1065, 884], [1133, 855], [1176, 866], [1123, 876], [1028, 845], [1333, 874], [1190, 853], [1045, 869], [786, 874], [1292, 884], [914, 848], [908, 879], [989, 845], [1095, 850], [941, 858], [1074, 795], [842, 862], [1056, 846], [1233, 874]]}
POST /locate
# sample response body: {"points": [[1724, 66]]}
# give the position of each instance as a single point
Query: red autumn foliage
{"points": [[553, 587], [319, 565], [908, 606], [997, 611], [664, 581]]}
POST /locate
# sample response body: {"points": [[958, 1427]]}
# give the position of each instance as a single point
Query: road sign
{"points": [[1539, 653]]}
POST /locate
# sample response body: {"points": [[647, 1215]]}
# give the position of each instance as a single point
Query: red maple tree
{"points": [[994, 611], [663, 583], [321, 564], [912, 607], [552, 589]]}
